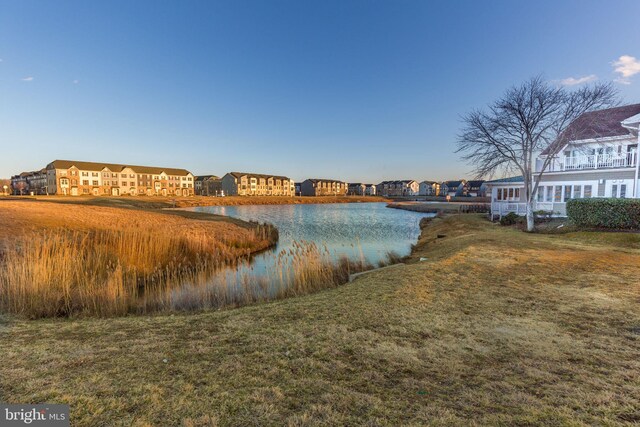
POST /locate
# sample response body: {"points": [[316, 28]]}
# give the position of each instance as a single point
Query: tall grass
{"points": [[109, 272], [119, 272]]}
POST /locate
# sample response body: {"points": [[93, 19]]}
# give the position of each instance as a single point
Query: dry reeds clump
{"points": [[101, 264]]}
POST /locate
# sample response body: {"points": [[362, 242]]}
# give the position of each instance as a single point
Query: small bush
{"points": [[616, 214], [542, 216], [510, 219]]}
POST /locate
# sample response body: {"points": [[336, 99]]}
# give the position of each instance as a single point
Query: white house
{"points": [[598, 159]]}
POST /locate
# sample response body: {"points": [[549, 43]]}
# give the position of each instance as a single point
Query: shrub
{"points": [[542, 216], [618, 214], [510, 219]]}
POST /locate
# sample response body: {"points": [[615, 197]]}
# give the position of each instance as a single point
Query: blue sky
{"points": [[355, 90]]}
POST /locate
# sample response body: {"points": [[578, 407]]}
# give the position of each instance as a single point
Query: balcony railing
{"points": [[600, 161]]}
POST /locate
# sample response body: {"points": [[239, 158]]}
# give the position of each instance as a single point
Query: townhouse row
{"points": [[75, 178]]}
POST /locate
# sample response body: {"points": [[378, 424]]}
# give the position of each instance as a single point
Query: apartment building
{"points": [[323, 187], [34, 182], [255, 184], [208, 185], [428, 188], [597, 157], [405, 187], [76, 178], [360, 189]]}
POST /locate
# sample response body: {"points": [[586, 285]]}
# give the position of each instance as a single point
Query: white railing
{"points": [[502, 208], [600, 161]]}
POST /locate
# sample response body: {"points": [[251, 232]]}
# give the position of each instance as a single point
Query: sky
{"points": [[361, 91]]}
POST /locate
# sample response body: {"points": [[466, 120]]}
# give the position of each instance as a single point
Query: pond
{"points": [[311, 237], [344, 229]]}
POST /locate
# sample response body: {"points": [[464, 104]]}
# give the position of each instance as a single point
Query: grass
{"points": [[496, 327], [83, 260], [159, 202]]}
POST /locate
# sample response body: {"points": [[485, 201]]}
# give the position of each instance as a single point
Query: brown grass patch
{"points": [[510, 328]]}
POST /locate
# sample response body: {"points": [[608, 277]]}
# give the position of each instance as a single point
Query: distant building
{"points": [[356, 189], [405, 187], [428, 188], [71, 177], [29, 182], [453, 188], [255, 184], [208, 185], [475, 188], [370, 190], [323, 187]]}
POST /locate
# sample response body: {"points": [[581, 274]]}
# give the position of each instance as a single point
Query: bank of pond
{"points": [[284, 250]]}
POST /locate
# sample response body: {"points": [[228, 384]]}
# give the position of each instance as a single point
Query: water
{"points": [[345, 229]]}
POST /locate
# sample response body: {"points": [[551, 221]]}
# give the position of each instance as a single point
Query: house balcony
{"points": [[591, 162]]}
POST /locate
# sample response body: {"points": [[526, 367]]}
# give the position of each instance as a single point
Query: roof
{"points": [[598, 124], [256, 175], [324, 180], [476, 183], [115, 167], [513, 179], [428, 182], [453, 183], [206, 177], [400, 181]]}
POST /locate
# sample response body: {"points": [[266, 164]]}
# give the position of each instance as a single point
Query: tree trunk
{"points": [[530, 222]]}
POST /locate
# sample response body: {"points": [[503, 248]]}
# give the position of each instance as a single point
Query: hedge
{"points": [[605, 213]]}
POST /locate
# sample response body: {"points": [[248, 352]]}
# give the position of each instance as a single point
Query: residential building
{"points": [[34, 182], [370, 190], [405, 187], [255, 184], [453, 188], [208, 185], [356, 189], [475, 188], [428, 188], [597, 156], [360, 189], [71, 177], [323, 187]]}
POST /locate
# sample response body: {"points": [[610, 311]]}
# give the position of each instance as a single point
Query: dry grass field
{"points": [[156, 202], [495, 327], [62, 260]]}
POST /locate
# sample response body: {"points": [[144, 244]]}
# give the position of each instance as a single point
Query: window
{"points": [[94, 173], [614, 191], [510, 193], [85, 173], [577, 189], [549, 197], [587, 192], [85, 182], [623, 191], [557, 196], [499, 196], [567, 193], [517, 194], [95, 182], [540, 194]]}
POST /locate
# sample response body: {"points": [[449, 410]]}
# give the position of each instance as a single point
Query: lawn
{"points": [[496, 326]]}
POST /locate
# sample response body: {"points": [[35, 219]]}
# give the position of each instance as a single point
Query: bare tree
{"points": [[527, 120]]}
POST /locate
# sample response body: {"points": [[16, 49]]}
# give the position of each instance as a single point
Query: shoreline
{"points": [[160, 202]]}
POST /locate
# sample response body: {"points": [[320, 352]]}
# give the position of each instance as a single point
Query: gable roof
{"points": [[506, 180], [115, 167], [475, 184], [451, 184], [256, 175], [314, 180], [598, 124]]}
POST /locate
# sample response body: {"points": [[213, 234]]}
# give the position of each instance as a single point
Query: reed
{"points": [[106, 272]]}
